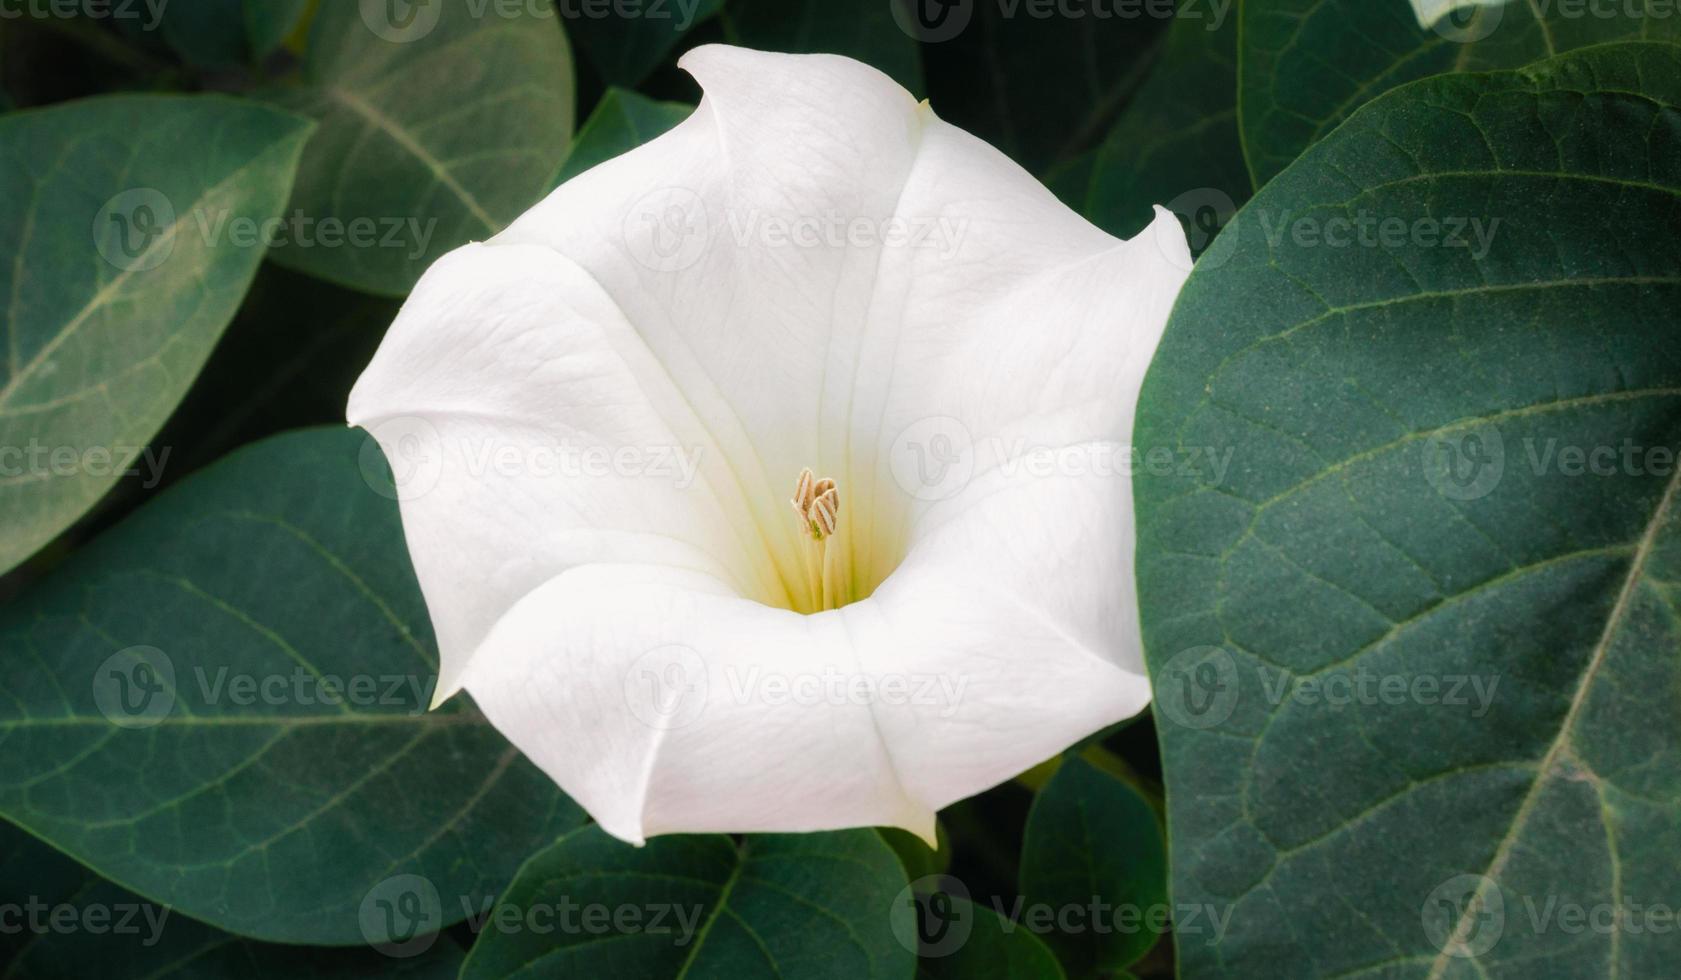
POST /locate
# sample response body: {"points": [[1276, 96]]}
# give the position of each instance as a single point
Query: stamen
{"points": [[816, 505], [825, 513]]}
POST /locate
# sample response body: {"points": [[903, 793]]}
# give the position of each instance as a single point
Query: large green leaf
{"points": [[220, 705], [1416, 664], [621, 122], [790, 905], [625, 42], [1307, 64], [438, 127], [70, 924], [1092, 843], [1177, 143], [123, 265], [861, 29]]}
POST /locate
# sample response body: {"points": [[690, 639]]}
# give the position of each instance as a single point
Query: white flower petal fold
{"points": [[597, 419]]}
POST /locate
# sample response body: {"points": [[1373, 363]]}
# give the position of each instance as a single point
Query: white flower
{"points": [[601, 417]]}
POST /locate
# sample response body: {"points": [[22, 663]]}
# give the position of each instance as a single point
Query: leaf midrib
{"points": [[106, 293], [1545, 772]]}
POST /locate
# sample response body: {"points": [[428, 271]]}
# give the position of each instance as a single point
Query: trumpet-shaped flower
{"points": [[773, 476]]}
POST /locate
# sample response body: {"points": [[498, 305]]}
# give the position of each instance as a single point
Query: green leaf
{"points": [[991, 948], [220, 705], [220, 34], [795, 905], [861, 29], [70, 923], [120, 274], [1307, 64], [621, 122], [624, 42], [438, 127], [1413, 669], [1091, 842], [1176, 144], [1040, 88]]}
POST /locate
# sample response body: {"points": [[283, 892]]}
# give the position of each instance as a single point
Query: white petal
{"points": [[662, 703], [503, 395], [1001, 323]]}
